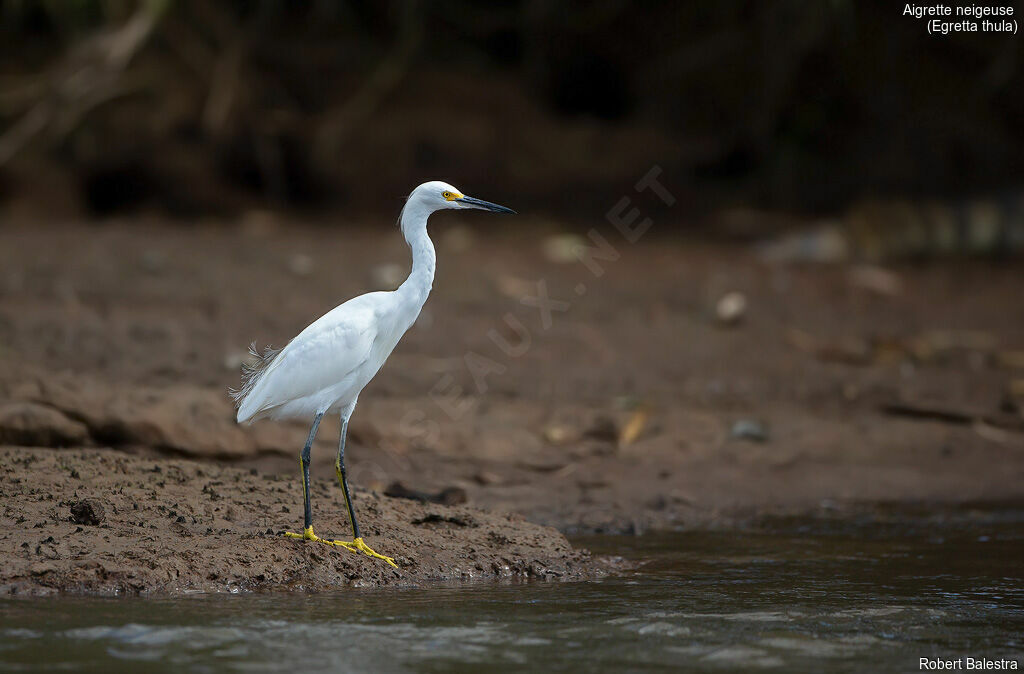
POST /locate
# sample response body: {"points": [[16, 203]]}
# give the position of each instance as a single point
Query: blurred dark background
{"points": [[197, 108]]}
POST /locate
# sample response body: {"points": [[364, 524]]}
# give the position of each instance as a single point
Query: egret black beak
{"points": [[484, 205]]}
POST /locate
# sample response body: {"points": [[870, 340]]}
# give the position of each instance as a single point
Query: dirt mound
{"points": [[97, 521]]}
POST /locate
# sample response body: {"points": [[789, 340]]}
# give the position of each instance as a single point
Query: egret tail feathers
{"points": [[252, 372]]}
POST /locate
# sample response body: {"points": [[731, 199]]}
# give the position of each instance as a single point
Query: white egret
{"points": [[327, 365]]}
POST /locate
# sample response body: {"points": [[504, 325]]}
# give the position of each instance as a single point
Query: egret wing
{"points": [[318, 362]]}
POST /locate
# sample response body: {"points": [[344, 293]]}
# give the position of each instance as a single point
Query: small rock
{"points": [[560, 434], [731, 308], [749, 429], [87, 511]]}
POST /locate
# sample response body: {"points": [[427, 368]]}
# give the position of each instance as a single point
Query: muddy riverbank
{"points": [[100, 522]]}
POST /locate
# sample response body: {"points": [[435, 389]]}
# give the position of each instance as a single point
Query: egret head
{"points": [[436, 195]]}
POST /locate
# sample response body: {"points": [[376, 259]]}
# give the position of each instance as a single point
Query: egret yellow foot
{"points": [[355, 546], [308, 535], [358, 545]]}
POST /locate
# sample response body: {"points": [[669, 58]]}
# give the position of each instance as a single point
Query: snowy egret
{"points": [[325, 368]]}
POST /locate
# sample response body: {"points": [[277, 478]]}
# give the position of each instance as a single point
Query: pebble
{"points": [[87, 511], [731, 308], [749, 429]]}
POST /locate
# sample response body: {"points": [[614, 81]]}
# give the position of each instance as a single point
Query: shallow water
{"points": [[794, 596]]}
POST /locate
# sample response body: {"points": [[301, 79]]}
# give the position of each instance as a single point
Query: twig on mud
{"points": [[952, 415]]}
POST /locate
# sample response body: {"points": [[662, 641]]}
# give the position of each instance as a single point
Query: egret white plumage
{"points": [[327, 365]]}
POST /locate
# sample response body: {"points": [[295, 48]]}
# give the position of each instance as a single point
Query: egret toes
{"points": [[308, 535], [358, 545], [354, 546]]}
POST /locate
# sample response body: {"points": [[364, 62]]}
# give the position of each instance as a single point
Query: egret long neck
{"points": [[421, 278]]}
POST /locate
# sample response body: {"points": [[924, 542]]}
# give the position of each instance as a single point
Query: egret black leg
{"points": [[304, 458], [357, 544], [339, 468]]}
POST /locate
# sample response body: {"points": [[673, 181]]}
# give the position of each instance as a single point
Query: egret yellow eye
{"points": [[446, 195]]}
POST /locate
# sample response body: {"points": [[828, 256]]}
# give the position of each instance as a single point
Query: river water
{"points": [[864, 594]]}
